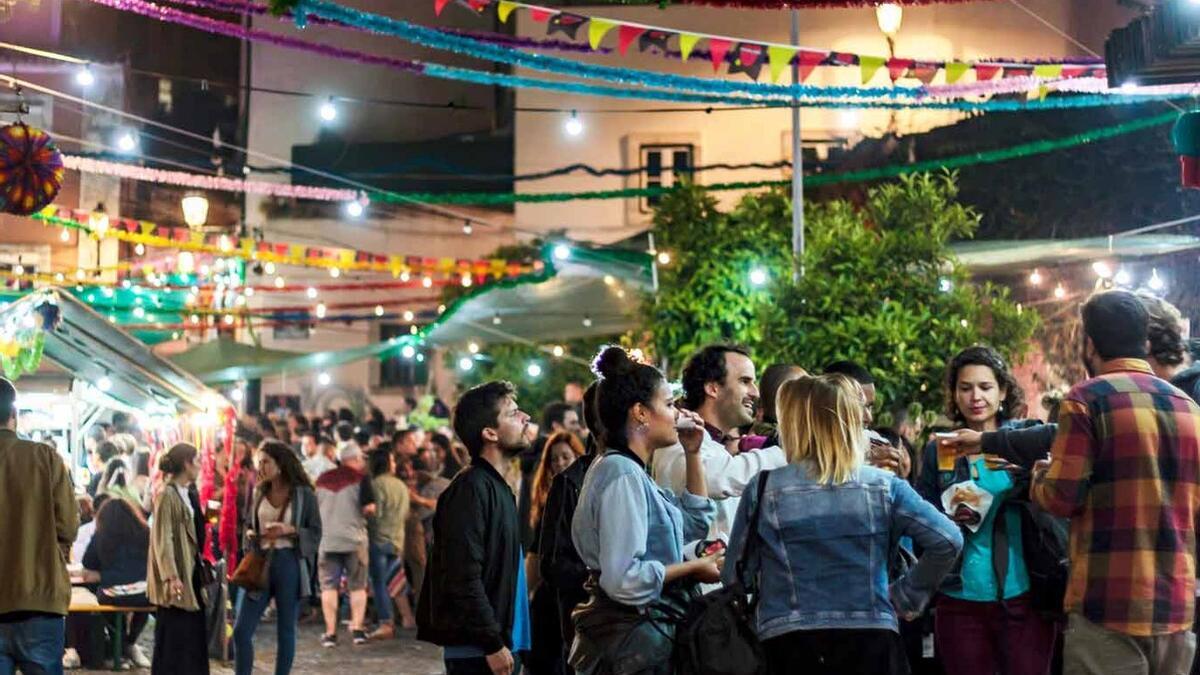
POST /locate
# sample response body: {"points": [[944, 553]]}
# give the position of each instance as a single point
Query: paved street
{"points": [[402, 656]]}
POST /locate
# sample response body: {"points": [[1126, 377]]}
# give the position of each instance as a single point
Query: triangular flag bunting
{"points": [[898, 67], [748, 59], [984, 72], [1074, 71], [687, 42], [439, 5], [719, 48], [955, 70], [478, 5], [870, 65], [626, 35], [1016, 71], [845, 58], [1048, 71], [780, 57], [565, 23], [597, 29], [809, 61], [925, 72], [654, 38], [504, 9], [540, 15]]}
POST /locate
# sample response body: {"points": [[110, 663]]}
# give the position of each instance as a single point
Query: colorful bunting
{"points": [[597, 29], [898, 67], [955, 70], [1048, 71], [503, 9], [626, 34], [541, 15], [439, 5], [719, 49], [565, 23], [809, 60], [986, 72], [870, 65], [654, 38], [687, 42], [780, 58], [748, 58]]}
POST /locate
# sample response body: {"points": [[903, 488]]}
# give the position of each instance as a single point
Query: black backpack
{"points": [[1044, 538], [716, 634]]}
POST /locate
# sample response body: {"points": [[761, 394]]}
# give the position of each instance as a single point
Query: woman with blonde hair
{"points": [[173, 576], [827, 526]]}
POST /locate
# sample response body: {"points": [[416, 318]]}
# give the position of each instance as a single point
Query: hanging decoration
{"points": [[879, 173], [719, 47], [207, 182], [850, 98], [22, 337], [152, 235], [31, 169], [776, 4]]}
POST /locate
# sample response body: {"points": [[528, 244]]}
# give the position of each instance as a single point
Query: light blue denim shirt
{"points": [[629, 529], [822, 556]]}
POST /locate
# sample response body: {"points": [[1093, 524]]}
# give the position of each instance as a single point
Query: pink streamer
{"points": [[203, 182]]}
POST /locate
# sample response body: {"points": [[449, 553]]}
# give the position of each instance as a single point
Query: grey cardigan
{"points": [[306, 518]]}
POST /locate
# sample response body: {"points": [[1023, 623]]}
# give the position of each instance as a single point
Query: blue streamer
{"points": [[504, 80]]}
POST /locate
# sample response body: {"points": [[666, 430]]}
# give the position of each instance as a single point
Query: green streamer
{"points": [[878, 173]]}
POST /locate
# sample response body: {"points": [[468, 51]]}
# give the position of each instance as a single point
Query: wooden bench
{"points": [[118, 640]]}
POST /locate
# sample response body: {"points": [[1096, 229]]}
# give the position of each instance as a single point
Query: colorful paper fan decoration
{"points": [[31, 169]]}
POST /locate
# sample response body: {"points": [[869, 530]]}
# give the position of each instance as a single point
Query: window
{"points": [[166, 95], [398, 371], [664, 166]]}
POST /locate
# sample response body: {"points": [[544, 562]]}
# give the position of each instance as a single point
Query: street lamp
{"points": [[195, 210]]}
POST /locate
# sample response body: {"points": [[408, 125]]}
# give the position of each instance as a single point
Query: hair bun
{"points": [[613, 361]]}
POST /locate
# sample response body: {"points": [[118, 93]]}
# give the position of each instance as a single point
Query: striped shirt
{"points": [[1125, 467]]}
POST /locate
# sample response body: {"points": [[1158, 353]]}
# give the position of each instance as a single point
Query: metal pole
{"points": [[797, 165]]}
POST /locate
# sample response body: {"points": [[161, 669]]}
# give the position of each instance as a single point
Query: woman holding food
{"points": [[984, 621]]}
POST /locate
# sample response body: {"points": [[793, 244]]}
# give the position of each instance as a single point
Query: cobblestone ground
{"points": [[401, 656]]}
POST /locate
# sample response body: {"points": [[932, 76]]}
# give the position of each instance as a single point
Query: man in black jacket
{"points": [[559, 562], [474, 601]]}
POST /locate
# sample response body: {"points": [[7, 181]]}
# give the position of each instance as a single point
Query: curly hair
{"points": [[1165, 331], [706, 365], [290, 468], [1013, 405]]}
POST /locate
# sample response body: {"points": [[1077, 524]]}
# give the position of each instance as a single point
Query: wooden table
{"points": [[84, 601]]}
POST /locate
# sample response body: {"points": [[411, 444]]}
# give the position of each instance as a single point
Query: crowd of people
{"points": [[575, 542]]}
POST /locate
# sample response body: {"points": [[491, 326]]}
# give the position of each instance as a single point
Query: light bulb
{"points": [[354, 209], [126, 142], [104, 383], [1060, 292], [328, 110], [228, 319], [559, 351], [335, 272], [465, 364], [466, 281], [269, 268], [573, 126], [65, 235], [562, 252], [1035, 277], [408, 315], [758, 276], [1102, 269], [320, 310], [237, 395], [473, 347], [84, 76], [944, 285], [1155, 283], [139, 249], [427, 282], [496, 320], [467, 229], [324, 379], [664, 258], [279, 282], [587, 322], [408, 351], [378, 310], [534, 370], [311, 293], [1122, 277], [19, 269]]}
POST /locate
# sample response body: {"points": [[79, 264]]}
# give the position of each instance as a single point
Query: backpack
{"points": [[1044, 539], [716, 635]]}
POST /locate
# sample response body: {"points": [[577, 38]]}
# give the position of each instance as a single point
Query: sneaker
{"points": [[360, 637], [385, 631], [329, 641], [135, 654], [71, 660]]}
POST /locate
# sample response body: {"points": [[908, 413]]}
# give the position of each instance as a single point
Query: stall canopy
{"points": [[216, 356], [86, 346]]}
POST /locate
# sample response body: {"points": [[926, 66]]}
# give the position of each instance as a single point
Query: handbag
{"points": [[253, 572], [716, 636]]}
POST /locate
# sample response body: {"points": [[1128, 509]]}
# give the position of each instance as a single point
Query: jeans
{"points": [[383, 558], [982, 637], [837, 651], [284, 587], [34, 645], [476, 666], [1092, 649]]}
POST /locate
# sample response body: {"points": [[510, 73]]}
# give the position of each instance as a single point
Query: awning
{"points": [[223, 353], [88, 347], [993, 255]]}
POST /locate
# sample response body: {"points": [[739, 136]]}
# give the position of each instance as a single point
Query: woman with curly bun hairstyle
{"points": [[985, 621], [630, 532]]}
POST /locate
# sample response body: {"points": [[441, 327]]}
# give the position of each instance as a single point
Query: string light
{"points": [[354, 209], [408, 315], [496, 320], [562, 252], [465, 364], [1035, 277], [65, 235], [758, 276], [311, 293], [269, 268], [1102, 269], [378, 310], [664, 258], [466, 281], [534, 370], [19, 269], [467, 228], [324, 379], [321, 310], [573, 126], [609, 280], [1060, 292], [1122, 277], [473, 347], [405, 276], [139, 249], [335, 272], [328, 111], [249, 291], [407, 351], [1155, 283], [587, 322], [228, 319], [412, 330], [427, 282], [279, 282], [104, 383], [84, 76], [945, 285], [559, 351], [237, 395]]}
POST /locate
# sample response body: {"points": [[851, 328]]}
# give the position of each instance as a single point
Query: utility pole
{"points": [[797, 163]]}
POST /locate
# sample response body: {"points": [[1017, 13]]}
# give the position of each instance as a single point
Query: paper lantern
{"points": [[31, 169], [1186, 138]]}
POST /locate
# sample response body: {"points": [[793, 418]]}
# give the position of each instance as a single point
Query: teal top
{"points": [[978, 576]]}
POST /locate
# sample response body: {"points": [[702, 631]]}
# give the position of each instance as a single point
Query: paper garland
{"points": [[206, 182], [879, 173], [782, 55], [300, 255]]}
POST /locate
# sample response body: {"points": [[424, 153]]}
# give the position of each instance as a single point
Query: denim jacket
{"points": [[821, 560]]}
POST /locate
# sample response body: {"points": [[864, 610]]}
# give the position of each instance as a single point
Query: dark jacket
{"points": [[559, 562], [471, 578], [117, 565], [306, 518]]}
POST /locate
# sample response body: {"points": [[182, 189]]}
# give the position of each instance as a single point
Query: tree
{"points": [[881, 285], [511, 362]]}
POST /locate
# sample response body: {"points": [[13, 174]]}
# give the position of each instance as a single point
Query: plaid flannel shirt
{"points": [[1125, 467]]}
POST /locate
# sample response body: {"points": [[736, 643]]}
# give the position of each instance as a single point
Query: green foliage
{"points": [[881, 285], [511, 361], [705, 294]]}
